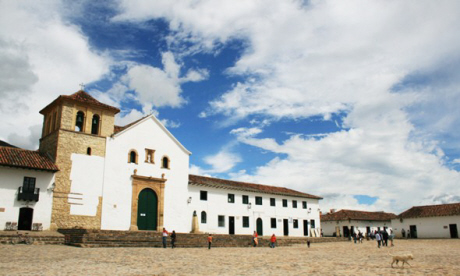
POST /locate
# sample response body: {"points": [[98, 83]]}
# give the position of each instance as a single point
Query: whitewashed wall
{"points": [[117, 189], [217, 204], [10, 180], [86, 184], [328, 227], [430, 227]]}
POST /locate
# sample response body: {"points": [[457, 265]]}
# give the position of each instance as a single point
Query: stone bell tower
{"points": [[75, 123]]}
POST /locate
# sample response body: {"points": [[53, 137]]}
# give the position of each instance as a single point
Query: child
{"points": [[209, 241], [272, 241]]}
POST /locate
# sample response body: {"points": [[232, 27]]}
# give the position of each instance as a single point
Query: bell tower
{"points": [[74, 124]]}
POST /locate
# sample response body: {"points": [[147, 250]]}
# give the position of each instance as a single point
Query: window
{"points": [[294, 204], [304, 204], [258, 200], [165, 162], [203, 217], [221, 221], [272, 202], [245, 199], [88, 151], [28, 186], [79, 122], [245, 222], [132, 157], [296, 223], [203, 195], [149, 156], [273, 222], [284, 202], [95, 124], [231, 198]]}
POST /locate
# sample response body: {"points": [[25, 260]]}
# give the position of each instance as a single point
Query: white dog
{"points": [[403, 258]]}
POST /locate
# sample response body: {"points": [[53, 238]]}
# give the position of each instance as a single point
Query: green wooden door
{"points": [[147, 210], [259, 227]]}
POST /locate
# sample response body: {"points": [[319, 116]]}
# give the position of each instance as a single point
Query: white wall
{"points": [[328, 227], [117, 189], [217, 204], [10, 180], [86, 184], [430, 227]]}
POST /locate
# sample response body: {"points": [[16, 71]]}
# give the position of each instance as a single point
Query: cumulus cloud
{"points": [[356, 162], [41, 57], [328, 57], [161, 87], [221, 162]]}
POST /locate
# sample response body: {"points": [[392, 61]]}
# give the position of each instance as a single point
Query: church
{"points": [[90, 173]]}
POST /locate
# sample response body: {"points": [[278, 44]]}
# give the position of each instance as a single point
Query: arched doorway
{"points": [[260, 227], [25, 218], [147, 211]]}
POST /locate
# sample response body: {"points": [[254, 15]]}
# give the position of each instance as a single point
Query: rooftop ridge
{"points": [[249, 186]]}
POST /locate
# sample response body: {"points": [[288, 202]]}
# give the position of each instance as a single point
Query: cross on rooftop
{"points": [[82, 86]]}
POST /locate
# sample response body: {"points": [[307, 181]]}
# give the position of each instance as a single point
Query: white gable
{"points": [[160, 125]]}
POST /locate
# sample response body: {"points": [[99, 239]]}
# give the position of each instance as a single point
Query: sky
{"points": [[354, 101]]}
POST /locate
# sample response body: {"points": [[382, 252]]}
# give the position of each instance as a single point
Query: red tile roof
{"points": [[441, 210], [84, 98], [27, 159], [243, 186], [357, 215]]}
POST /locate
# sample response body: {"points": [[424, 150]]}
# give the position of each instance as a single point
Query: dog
{"points": [[401, 258]]}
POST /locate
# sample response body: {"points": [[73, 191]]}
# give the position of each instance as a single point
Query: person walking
{"points": [[209, 241], [255, 238], [273, 241], [385, 237], [165, 236], [378, 238], [173, 239], [391, 237]]}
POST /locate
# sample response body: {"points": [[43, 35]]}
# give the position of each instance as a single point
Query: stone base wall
{"points": [[70, 142], [110, 238]]}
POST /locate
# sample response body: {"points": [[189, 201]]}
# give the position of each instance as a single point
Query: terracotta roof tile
{"points": [[357, 215], [250, 187], [85, 98], [441, 210], [28, 159]]}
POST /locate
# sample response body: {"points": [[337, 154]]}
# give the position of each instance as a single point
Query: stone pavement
{"points": [[431, 257]]}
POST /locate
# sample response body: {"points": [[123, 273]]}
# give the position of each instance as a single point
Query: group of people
{"points": [[358, 237], [382, 238], [165, 238], [255, 239]]}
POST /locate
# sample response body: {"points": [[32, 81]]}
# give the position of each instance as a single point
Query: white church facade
{"points": [[136, 177]]}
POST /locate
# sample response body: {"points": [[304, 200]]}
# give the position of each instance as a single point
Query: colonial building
{"points": [[136, 177], [26, 188], [346, 222], [430, 221]]}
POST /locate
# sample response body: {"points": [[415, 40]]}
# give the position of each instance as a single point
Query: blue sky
{"points": [[353, 101]]}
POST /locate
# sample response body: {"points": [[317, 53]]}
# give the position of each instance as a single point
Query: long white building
{"points": [[136, 177], [429, 221], [345, 223]]}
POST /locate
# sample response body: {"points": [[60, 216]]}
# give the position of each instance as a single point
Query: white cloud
{"points": [[326, 57], [354, 162], [222, 162], [41, 57], [161, 87]]}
